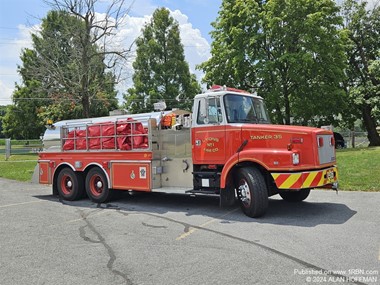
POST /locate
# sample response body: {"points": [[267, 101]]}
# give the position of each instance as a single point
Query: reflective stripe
{"points": [[317, 179], [309, 179], [291, 180], [301, 180]]}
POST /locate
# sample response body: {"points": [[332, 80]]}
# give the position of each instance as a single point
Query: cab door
{"points": [[209, 132]]}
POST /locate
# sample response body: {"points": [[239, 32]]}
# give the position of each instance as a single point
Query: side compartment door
{"points": [[131, 175], [44, 172]]}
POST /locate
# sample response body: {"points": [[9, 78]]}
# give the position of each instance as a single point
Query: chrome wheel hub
{"points": [[245, 193]]}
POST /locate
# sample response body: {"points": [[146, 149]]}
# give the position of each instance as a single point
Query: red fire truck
{"points": [[226, 146]]}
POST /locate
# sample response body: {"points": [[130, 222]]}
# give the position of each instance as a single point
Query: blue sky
{"points": [[19, 17]]}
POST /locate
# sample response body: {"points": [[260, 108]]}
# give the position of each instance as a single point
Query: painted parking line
{"points": [[192, 230], [23, 203]]}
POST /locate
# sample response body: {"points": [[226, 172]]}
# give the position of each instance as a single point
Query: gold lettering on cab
{"points": [[212, 139], [211, 149], [266, 137], [211, 145]]}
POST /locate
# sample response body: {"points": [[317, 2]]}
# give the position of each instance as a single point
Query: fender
{"points": [[53, 175], [58, 166], [102, 168], [276, 159]]}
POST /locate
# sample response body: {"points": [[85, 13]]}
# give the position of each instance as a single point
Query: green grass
{"points": [[18, 167], [359, 169]]}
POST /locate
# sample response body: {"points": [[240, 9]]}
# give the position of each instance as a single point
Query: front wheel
{"points": [[252, 192], [97, 186], [295, 196]]}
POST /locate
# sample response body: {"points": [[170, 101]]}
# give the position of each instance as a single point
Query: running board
{"points": [[204, 191], [172, 190], [181, 190]]}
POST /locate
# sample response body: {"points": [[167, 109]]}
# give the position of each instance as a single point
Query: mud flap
{"points": [[227, 197]]}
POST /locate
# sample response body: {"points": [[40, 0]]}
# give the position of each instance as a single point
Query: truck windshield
{"points": [[245, 109]]}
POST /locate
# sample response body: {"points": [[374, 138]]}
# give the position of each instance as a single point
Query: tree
{"points": [[237, 38], [290, 51], [88, 43], [20, 120], [51, 79], [2, 113], [160, 69], [363, 53], [58, 58]]}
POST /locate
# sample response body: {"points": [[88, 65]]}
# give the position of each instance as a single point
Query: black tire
{"points": [[295, 196], [252, 192], [70, 185], [97, 186]]}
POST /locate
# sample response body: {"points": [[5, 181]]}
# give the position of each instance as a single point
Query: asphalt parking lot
{"points": [[176, 239]]}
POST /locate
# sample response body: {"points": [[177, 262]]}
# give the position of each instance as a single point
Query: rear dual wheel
{"points": [[295, 196], [97, 186], [70, 185]]}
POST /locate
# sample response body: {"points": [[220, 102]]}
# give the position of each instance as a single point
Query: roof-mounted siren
{"points": [[216, 88]]}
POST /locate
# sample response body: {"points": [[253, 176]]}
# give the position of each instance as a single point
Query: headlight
{"points": [[296, 158]]}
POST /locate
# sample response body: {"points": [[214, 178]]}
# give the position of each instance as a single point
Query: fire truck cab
{"points": [[228, 147]]}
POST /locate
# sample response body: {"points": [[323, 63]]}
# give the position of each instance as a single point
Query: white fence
{"points": [[355, 139], [20, 147]]}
